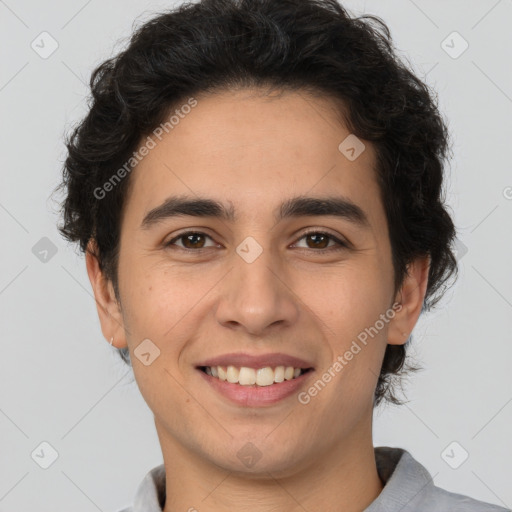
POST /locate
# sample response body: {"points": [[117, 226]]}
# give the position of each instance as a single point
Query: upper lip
{"points": [[256, 361]]}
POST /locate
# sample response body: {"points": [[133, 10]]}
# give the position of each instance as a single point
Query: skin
{"points": [[252, 151]]}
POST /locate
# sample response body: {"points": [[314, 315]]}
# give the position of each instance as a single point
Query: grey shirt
{"points": [[408, 487]]}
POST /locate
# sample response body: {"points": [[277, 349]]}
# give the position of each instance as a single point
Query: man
{"points": [[257, 187]]}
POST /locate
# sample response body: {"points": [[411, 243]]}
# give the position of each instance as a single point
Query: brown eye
{"points": [[190, 240], [321, 240], [196, 240]]}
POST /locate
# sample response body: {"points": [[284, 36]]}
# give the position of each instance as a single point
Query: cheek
{"points": [[167, 305], [351, 307], [349, 297], [154, 304], [154, 309]]}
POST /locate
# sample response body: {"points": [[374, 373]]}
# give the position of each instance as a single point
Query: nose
{"points": [[256, 297]]}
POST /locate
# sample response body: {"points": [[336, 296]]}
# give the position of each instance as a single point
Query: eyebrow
{"points": [[300, 206]]}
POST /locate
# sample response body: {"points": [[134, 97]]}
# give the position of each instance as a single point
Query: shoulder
{"points": [[409, 487], [436, 499], [150, 494]]}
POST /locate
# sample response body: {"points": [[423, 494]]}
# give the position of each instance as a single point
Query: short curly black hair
{"points": [[313, 46]]}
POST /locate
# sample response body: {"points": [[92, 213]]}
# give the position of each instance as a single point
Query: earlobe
{"points": [[411, 297], [109, 311]]}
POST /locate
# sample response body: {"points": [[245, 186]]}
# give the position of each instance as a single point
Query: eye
{"points": [[191, 240], [195, 240], [319, 239]]}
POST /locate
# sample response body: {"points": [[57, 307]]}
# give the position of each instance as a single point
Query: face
{"points": [[297, 281]]}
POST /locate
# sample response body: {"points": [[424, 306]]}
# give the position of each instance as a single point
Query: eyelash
{"points": [[341, 245]]}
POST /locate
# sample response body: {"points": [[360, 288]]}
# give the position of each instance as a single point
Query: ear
{"points": [[411, 296], [109, 310]]}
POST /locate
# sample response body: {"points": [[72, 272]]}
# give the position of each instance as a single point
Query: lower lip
{"points": [[256, 396]]}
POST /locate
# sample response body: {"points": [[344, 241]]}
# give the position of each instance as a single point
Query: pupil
{"points": [[194, 235], [317, 236]]}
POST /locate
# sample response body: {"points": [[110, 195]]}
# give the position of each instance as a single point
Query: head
{"points": [[249, 105]]}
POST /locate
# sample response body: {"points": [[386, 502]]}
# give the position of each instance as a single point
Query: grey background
{"points": [[62, 383]]}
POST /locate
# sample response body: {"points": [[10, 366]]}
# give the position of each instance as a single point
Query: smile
{"points": [[243, 393], [246, 376]]}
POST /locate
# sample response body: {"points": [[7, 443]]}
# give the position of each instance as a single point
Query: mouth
{"points": [[255, 387], [254, 377], [255, 380]]}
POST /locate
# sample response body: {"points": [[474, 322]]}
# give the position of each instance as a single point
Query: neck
{"points": [[346, 474]]}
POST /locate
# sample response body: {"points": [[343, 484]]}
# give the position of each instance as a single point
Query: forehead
{"points": [[252, 151]]}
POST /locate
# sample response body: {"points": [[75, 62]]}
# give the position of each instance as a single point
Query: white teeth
{"points": [[264, 377], [232, 374], [249, 376], [279, 374], [222, 373]]}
